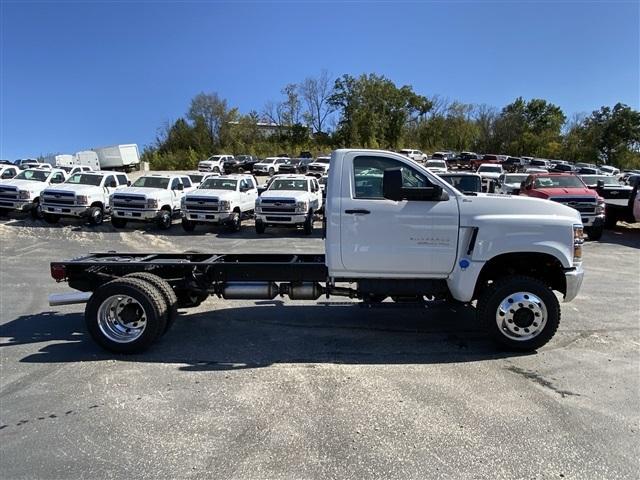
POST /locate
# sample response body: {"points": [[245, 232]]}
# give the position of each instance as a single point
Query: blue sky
{"points": [[81, 74]]}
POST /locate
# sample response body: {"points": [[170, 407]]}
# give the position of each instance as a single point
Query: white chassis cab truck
{"points": [[290, 201], [83, 195], [394, 230], [151, 198], [270, 165], [22, 192], [220, 200]]}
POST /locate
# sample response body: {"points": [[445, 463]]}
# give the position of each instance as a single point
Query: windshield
{"points": [[84, 179], [322, 160], [560, 181], [490, 157], [436, 163], [464, 183], [152, 182], [515, 178], [283, 184], [437, 155], [283, 161], [490, 168], [35, 175], [592, 180], [196, 178], [219, 184], [215, 158]]}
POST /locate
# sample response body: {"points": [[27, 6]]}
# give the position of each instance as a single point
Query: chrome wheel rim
{"points": [[521, 316], [122, 319]]}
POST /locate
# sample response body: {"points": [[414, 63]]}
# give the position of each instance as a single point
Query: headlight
{"points": [[224, 205], [301, 206], [578, 240], [24, 194], [152, 203], [82, 200], [600, 207]]}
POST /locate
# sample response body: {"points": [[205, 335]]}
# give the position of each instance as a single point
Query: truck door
{"points": [[389, 238], [177, 190]]}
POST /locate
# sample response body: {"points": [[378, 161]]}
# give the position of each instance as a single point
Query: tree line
{"points": [[319, 114]]}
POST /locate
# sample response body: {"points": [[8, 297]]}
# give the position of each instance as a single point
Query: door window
{"points": [[175, 183], [369, 172], [122, 179], [108, 180], [186, 181]]}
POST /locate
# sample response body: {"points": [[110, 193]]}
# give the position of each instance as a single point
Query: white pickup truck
{"points": [[319, 167], [394, 230], [151, 198], [290, 201], [215, 163], [270, 165], [7, 172], [22, 192], [220, 200], [83, 195]]}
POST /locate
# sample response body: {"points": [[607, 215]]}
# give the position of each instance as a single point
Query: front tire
{"points": [[36, 211], [126, 315], [96, 216], [260, 227], [164, 220], [50, 218], [594, 233], [308, 223], [520, 313], [118, 222], [188, 225], [235, 222]]}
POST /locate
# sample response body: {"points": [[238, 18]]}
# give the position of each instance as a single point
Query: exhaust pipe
{"points": [[56, 299], [250, 290]]}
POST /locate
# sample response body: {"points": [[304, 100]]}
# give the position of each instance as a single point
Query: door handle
{"points": [[357, 211]]}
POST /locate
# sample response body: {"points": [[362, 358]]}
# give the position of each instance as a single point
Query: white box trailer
{"points": [[88, 158], [118, 157], [60, 160]]}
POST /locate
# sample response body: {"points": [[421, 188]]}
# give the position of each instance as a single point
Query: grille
{"points": [[203, 204], [8, 193], [59, 198], [285, 206], [581, 204], [129, 201]]}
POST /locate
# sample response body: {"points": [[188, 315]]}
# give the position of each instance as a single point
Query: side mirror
{"points": [[180, 186], [392, 188], [128, 183], [600, 184], [113, 184]]}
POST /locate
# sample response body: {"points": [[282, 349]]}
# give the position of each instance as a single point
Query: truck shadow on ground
{"points": [[267, 334], [622, 235]]}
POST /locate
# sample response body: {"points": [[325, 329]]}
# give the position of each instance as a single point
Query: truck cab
{"points": [[22, 192], [569, 190], [151, 198], [215, 163], [7, 172], [219, 200], [290, 201], [84, 195]]}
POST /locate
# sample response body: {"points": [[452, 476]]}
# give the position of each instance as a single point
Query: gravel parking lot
{"points": [[255, 389]]}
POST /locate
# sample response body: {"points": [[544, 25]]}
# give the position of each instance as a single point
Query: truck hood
{"points": [[491, 175], [285, 194], [489, 207], [555, 192], [209, 192], [78, 189], [146, 192], [31, 185]]}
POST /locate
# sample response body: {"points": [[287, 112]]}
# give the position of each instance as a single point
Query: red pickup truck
{"points": [[570, 190]]}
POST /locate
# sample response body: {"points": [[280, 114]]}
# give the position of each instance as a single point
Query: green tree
{"points": [[614, 133]]}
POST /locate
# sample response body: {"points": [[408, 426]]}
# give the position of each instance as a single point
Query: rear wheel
{"points": [[126, 315], [216, 170], [169, 296], [96, 216], [164, 220], [188, 225], [51, 218], [271, 171], [520, 313], [118, 222]]}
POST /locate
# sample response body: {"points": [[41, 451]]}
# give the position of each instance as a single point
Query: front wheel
{"points": [[235, 222], [594, 233], [36, 211], [96, 216], [260, 227], [188, 225], [308, 224], [519, 312], [164, 220], [50, 218], [118, 222]]}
